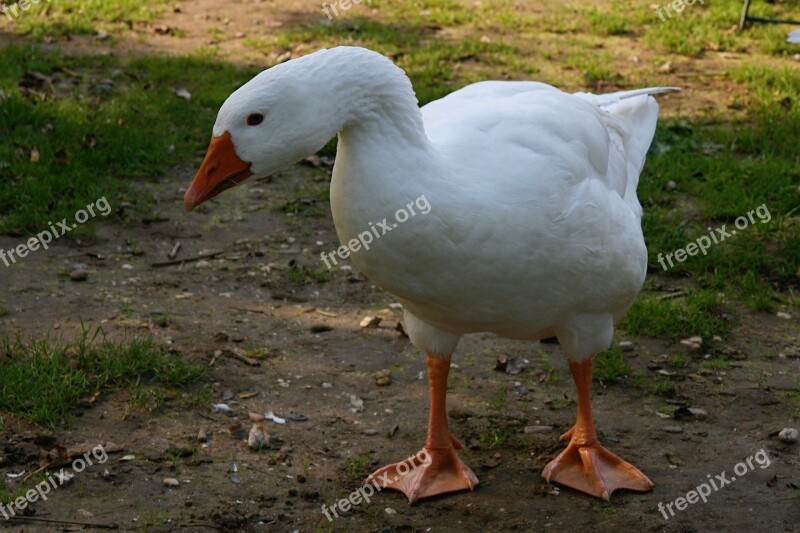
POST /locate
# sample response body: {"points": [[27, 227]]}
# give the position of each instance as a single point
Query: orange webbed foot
{"points": [[592, 469], [430, 472]]}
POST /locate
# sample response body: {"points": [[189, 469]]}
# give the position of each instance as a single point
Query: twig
{"points": [[670, 296], [261, 311], [236, 354], [175, 250], [68, 522], [186, 260]]}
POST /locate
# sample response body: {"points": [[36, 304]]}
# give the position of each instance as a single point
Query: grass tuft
{"points": [[42, 380]]}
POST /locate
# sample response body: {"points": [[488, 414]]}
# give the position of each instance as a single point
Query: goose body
{"points": [[534, 218], [533, 227]]}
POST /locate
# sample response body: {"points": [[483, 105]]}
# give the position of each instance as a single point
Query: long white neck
{"points": [[384, 158], [369, 96]]}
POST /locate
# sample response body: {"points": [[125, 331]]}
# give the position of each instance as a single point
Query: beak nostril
{"points": [[211, 170]]}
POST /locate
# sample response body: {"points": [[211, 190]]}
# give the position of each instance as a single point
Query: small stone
{"points": [[356, 404], [370, 432], [258, 437], [694, 343], [788, 435], [785, 316], [383, 378], [370, 321], [171, 482], [627, 346], [673, 429], [79, 275], [699, 414], [666, 67], [671, 185], [389, 511], [256, 417], [690, 413], [327, 385], [202, 435], [516, 365]]}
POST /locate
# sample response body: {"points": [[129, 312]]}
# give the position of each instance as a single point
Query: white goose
{"points": [[533, 231]]}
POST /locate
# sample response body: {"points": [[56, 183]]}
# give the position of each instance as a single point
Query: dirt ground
{"points": [[314, 357]]}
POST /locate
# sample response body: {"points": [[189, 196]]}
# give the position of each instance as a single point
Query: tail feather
{"points": [[635, 113], [604, 100]]}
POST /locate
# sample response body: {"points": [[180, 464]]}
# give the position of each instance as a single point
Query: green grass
{"points": [[611, 365], [750, 165], [43, 380], [696, 314], [494, 437], [357, 465], [56, 18], [94, 144]]}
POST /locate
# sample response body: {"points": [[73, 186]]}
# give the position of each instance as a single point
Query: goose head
{"points": [[276, 119]]}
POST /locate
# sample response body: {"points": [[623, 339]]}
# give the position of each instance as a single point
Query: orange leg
{"points": [[436, 469], [585, 465]]}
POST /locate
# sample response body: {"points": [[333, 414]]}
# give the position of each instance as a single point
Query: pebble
{"points": [[673, 429], [390, 511], [202, 436], [258, 437], [356, 404], [785, 316], [79, 275], [690, 413], [788, 435], [370, 432], [327, 385], [370, 321], [516, 365], [671, 185], [695, 343], [627, 346], [171, 482]]}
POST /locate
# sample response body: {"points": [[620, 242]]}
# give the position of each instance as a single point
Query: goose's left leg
{"points": [[586, 465], [437, 468]]}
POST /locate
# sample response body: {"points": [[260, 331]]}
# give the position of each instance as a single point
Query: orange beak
{"points": [[221, 170]]}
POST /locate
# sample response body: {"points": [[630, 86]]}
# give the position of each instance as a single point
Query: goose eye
{"points": [[255, 119]]}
